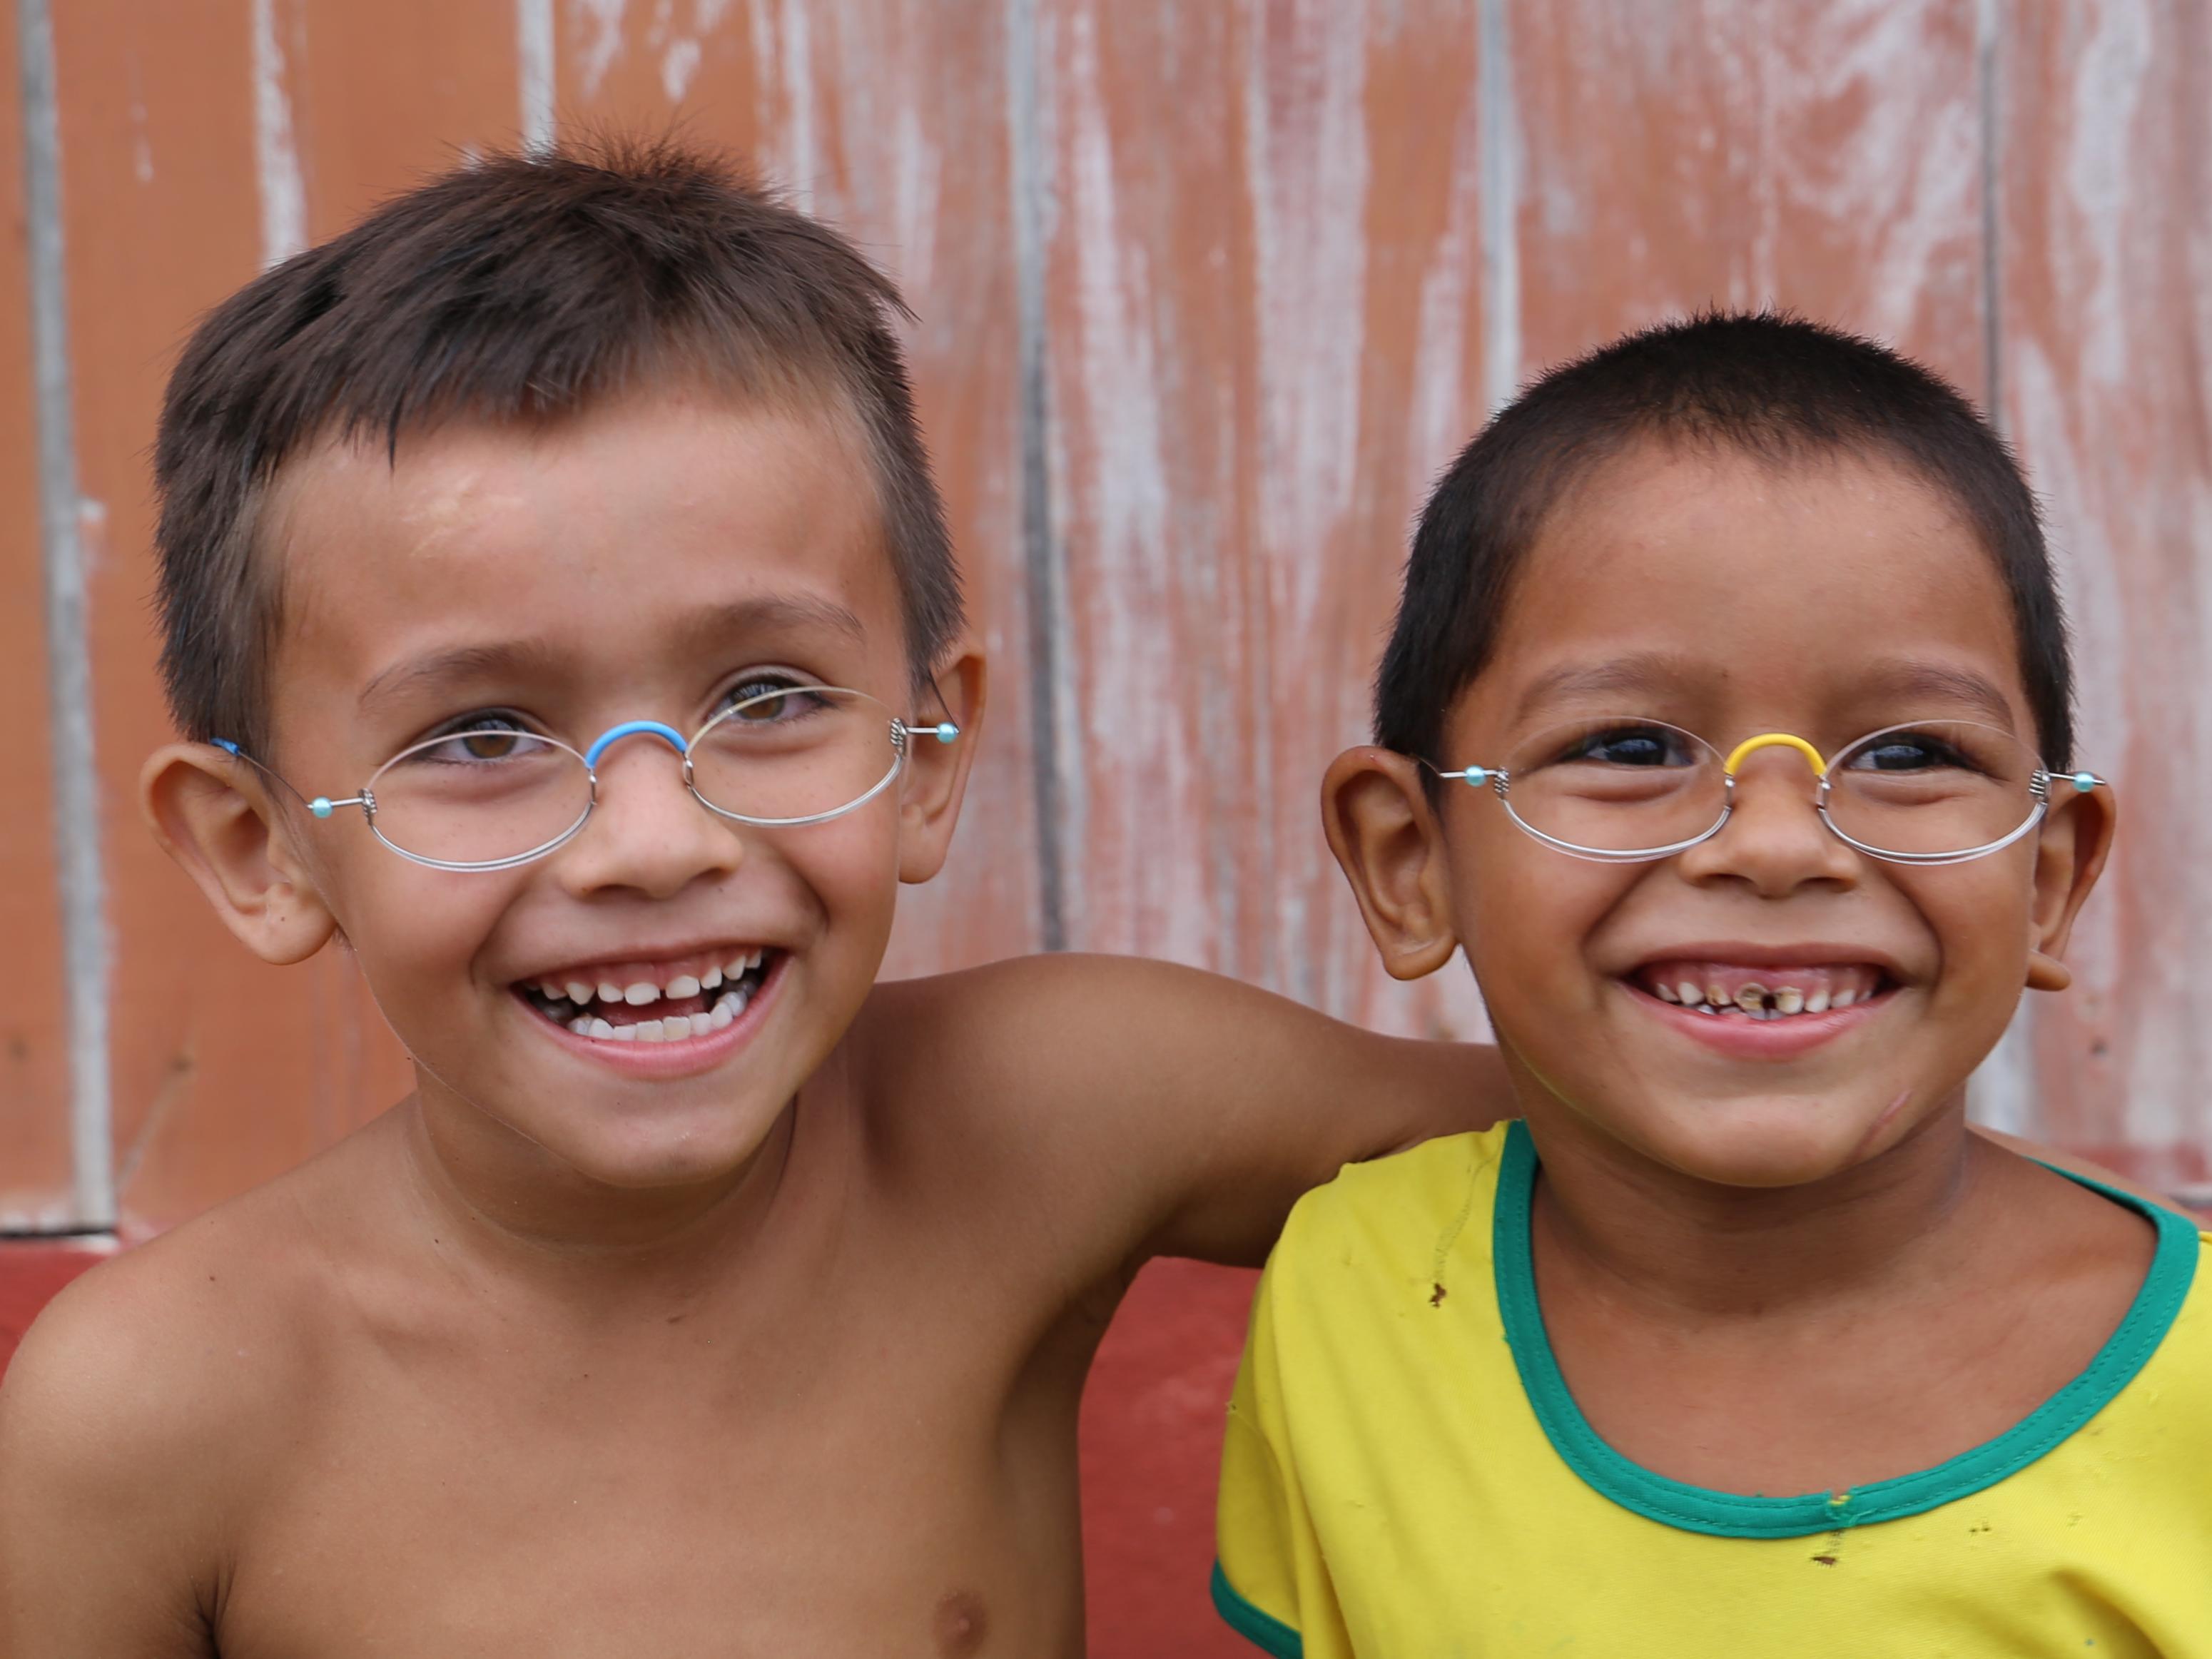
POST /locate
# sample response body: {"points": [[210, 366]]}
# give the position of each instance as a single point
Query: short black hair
{"points": [[519, 285], [1770, 385]]}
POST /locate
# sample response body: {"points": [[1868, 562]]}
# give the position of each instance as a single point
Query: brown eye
{"points": [[490, 743]]}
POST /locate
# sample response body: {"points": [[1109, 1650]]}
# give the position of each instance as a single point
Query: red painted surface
{"points": [[1152, 1441], [32, 1275]]}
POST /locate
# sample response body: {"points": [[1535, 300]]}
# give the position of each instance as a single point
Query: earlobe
{"points": [[936, 770], [2070, 852], [215, 817], [1390, 845]]}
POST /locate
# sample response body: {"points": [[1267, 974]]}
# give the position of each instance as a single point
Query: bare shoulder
{"points": [[151, 1389]]}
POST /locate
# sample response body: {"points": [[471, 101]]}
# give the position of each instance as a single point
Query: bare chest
{"points": [[821, 1506]]}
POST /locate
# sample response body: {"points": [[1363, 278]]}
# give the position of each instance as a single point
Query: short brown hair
{"points": [[519, 285], [1769, 384]]}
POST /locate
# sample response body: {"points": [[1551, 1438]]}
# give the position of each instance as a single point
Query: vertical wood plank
{"points": [[1265, 327], [197, 145], [887, 118], [1825, 158], [1266, 338], [35, 1080], [2106, 238]]}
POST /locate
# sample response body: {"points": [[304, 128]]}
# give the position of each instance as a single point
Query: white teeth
{"points": [[579, 992], [723, 1014], [710, 979], [547, 990], [1817, 1002], [649, 1030], [735, 966], [622, 1033], [600, 1030], [1844, 999], [639, 994], [676, 1028], [581, 1025], [1691, 995], [609, 991], [684, 986], [1752, 997], [1790, 1000], [1667, 995], [701, 1024]]}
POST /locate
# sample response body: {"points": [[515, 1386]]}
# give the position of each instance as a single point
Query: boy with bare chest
{"points": [[561, 615]]}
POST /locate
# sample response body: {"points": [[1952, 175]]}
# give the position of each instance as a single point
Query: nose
{"points": [[648, 833], [1774, 841]]}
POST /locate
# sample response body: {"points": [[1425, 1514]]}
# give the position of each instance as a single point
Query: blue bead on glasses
{"points": [[492, 796]]}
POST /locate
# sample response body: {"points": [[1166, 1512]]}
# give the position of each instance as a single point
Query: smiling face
{"points": [[1769, 1007], [641, 1003]]}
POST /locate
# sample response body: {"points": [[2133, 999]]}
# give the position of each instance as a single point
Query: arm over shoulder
{"points": [[112, 1477], [1178, 1112]]}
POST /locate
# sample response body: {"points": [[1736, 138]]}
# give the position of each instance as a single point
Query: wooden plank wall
{"points": [[1207, 294]]}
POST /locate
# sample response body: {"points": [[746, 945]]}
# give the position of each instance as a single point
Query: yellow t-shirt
{"points": [[1406, 1475]]}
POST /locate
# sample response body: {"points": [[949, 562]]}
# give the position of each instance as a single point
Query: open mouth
{"points": [[667, 1004], [1735, 992]]}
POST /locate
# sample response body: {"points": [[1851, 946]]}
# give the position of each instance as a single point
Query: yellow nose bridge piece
{"points": [[1774, 740]]}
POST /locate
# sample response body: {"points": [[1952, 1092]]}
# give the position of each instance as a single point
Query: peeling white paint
{"points": [[537, 72], [142, 148], [600, 25], [283, 192], [1135, 744], [1305, 139], [783, 45], [678, 63]]}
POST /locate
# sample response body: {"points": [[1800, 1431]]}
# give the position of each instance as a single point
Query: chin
{"points": [[672, 1152], [1760, 1142]]}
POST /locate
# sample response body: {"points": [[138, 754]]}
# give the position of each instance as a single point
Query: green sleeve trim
{"points": [[1736, 1515], [1262, 1629]]}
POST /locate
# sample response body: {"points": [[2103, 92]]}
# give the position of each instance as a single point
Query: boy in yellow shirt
{"points": [[1743, 632]]}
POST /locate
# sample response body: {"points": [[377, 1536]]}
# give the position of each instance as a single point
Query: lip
{"points": [[686, 1056], [1764, 1039]]}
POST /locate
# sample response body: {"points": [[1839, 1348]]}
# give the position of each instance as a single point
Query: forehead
{"points": [[615, 530], [1804, 587]]}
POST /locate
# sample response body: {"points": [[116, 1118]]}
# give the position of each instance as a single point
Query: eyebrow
{"points": [[1641, 671], [511, 658], [458, 664], [1903, 680], [774, 614]]}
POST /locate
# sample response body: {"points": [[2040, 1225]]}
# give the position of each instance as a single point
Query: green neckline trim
{"points": [[1735, 1515], [1263, 1630]]}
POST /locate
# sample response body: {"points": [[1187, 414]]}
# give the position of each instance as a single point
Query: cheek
{"points": [[1526, 914], [415, 932], [1979, 914]]}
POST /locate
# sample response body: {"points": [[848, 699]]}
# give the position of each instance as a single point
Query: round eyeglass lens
{"points": [[1616, 787], [481, 796], [1934, 788], [795, 755]]}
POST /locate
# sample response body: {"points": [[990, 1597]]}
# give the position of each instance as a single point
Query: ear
{"points": [[2069, 855], [937, 772], [1390, 847], [214, 814]]}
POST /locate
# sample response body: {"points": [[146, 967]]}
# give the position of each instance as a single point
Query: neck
{"points": [[1685, 1248], [479, 1183]]}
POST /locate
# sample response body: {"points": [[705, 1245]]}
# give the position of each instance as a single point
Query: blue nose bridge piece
{"points": [[615, 734]]}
